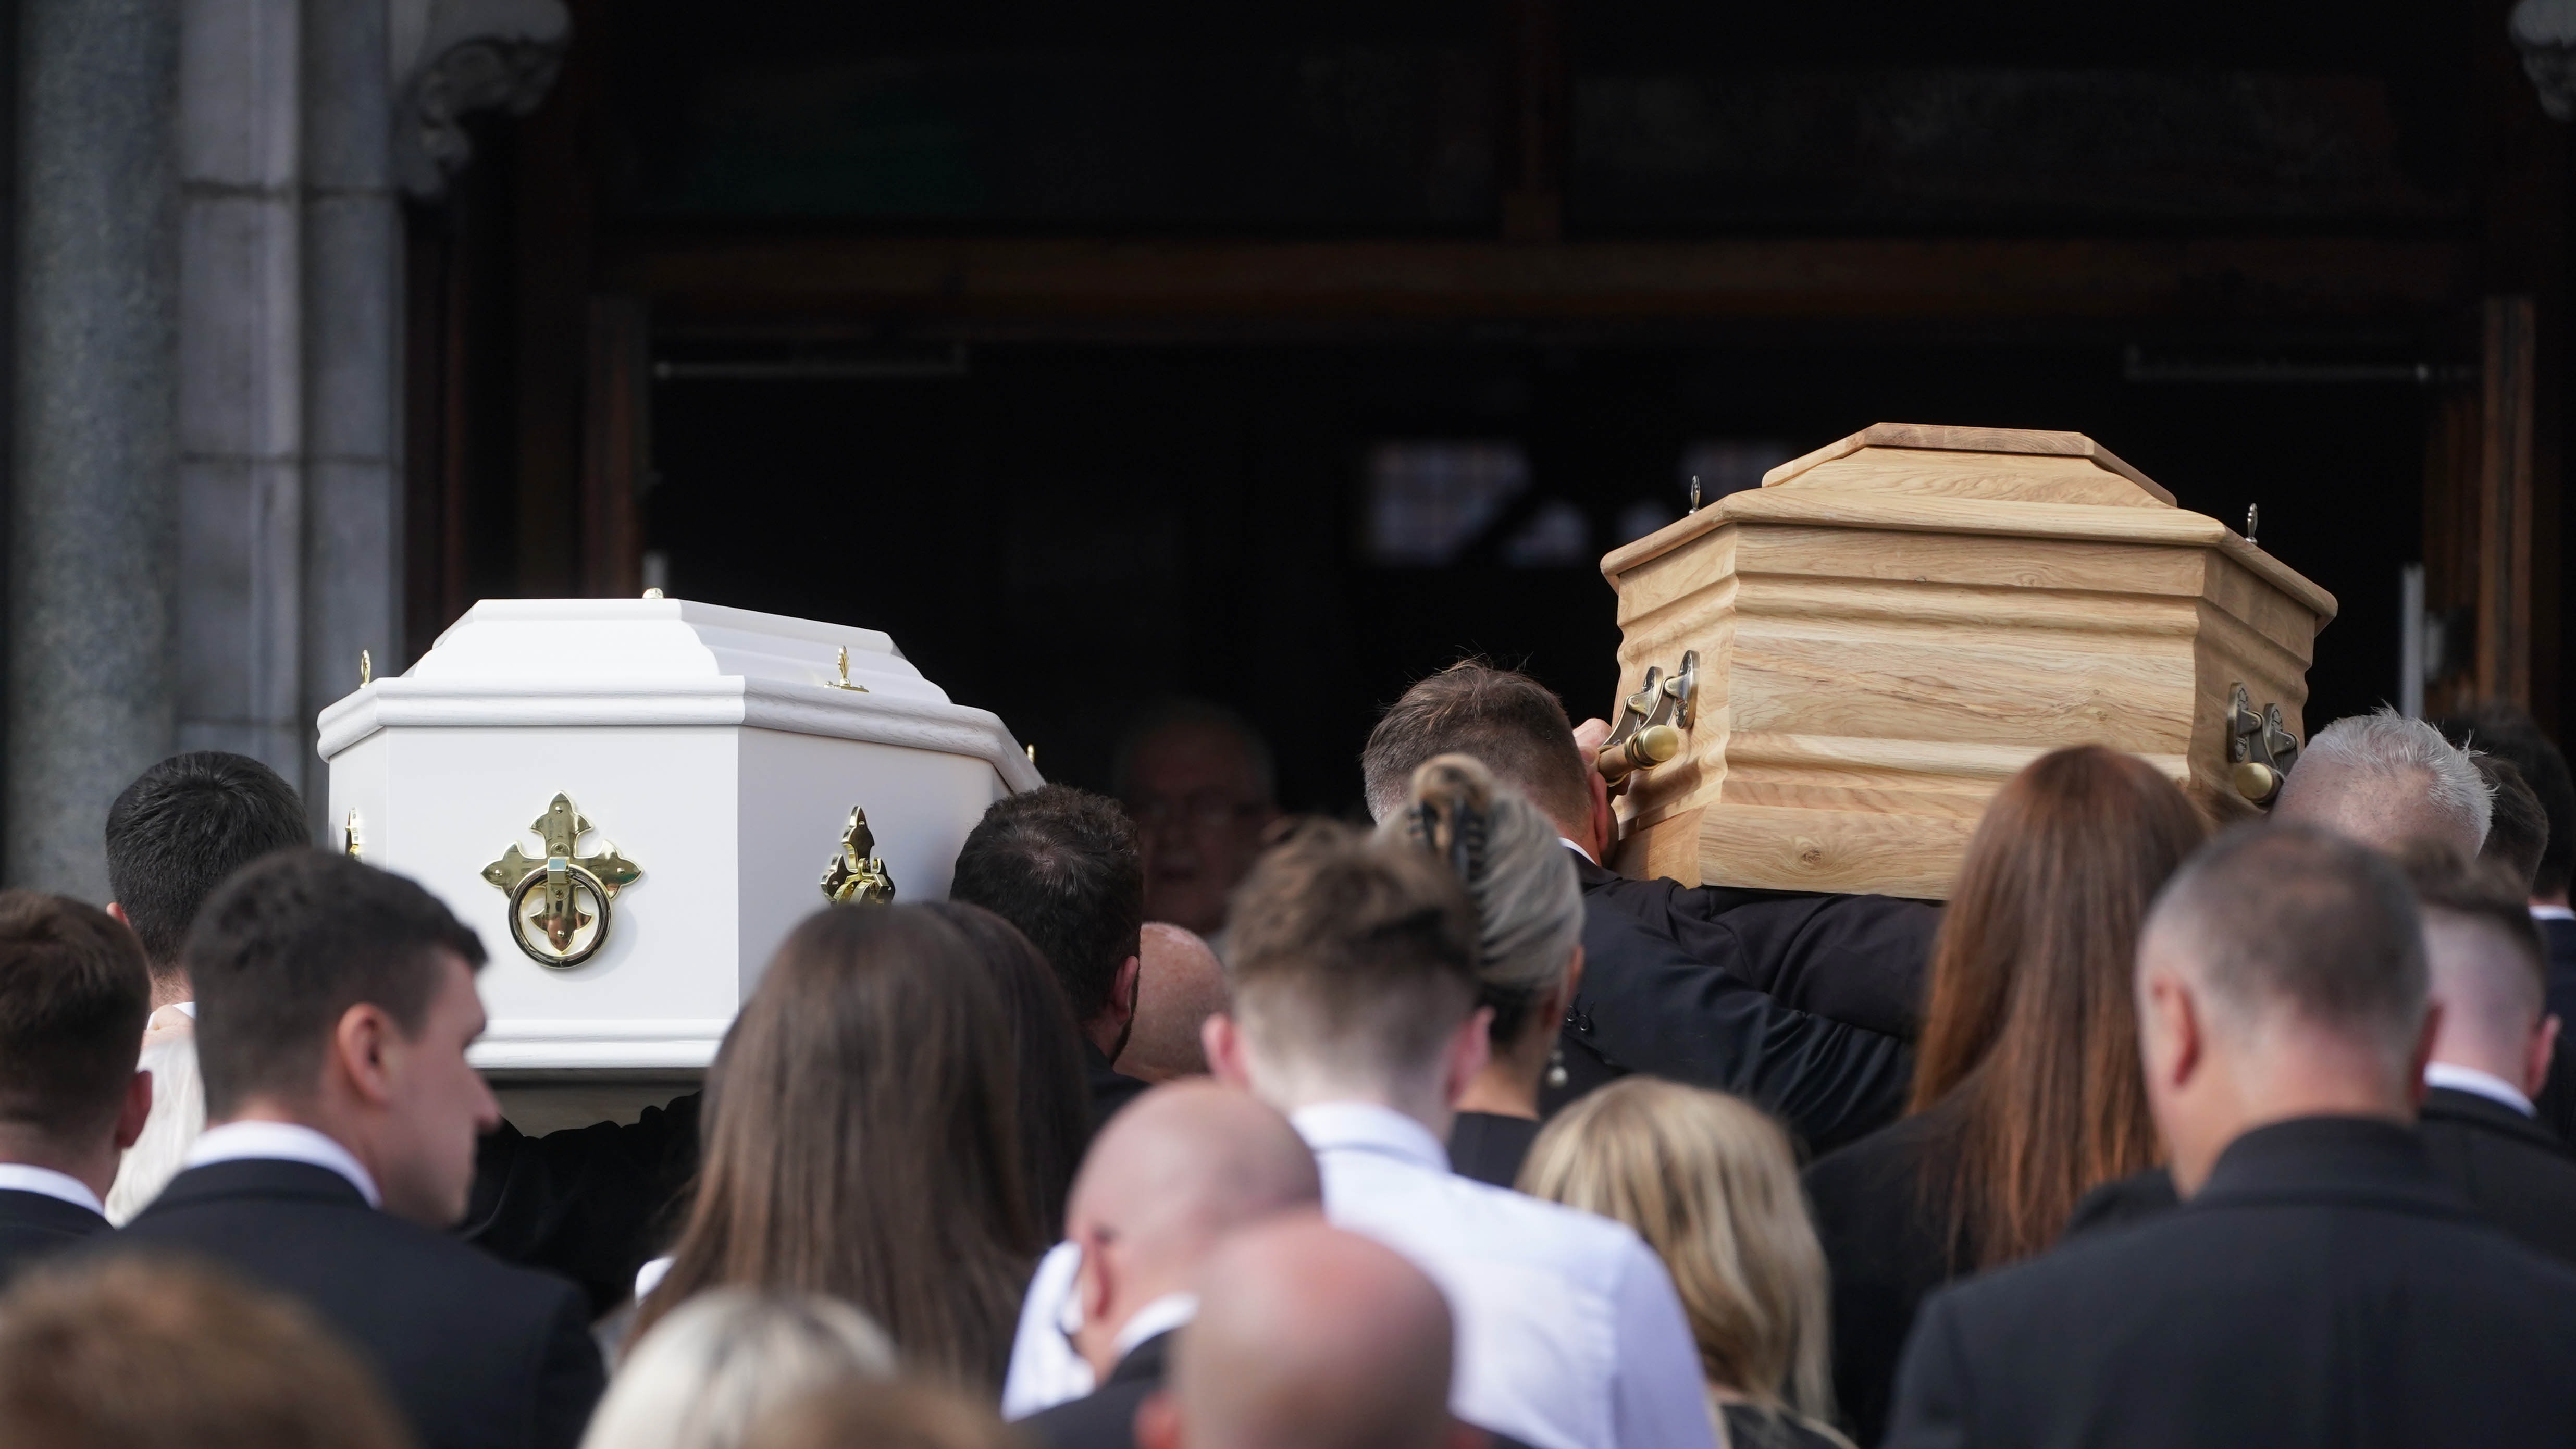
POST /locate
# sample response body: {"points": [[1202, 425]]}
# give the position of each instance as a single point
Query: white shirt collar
{"points": [[2553, 913], [282, 1142], [1158, 1317], [1577, 849], [186, 1008], [1368, 1127], [45, 1182], [2477, 1083]]}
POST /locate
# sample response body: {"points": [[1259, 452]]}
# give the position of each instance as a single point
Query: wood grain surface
{"points": [[1887, 633]]}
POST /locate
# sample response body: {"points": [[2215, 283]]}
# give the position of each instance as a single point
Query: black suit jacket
{"points": [[476, 1353], [2325, 1287], [1111, 1089], [1106, 1418], [1885, 1232], [1859, 960], [591, 1203], [1646, 1005], [33, 1226]]}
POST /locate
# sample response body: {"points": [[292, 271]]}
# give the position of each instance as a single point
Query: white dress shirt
{"points": [[2478, 1083], [45, 1182], [1569, 1333], [283, 1142], [1045, 1370]]}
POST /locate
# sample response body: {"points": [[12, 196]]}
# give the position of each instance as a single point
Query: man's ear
{"points": [[1092, 1275], [2535, 1064], [118, 911], [1158, 1422], [1222, 1039], [2422, 1056], [2174, 1049], [360, 1045], [1470, 1047], [1123, 989], [136, 1111]]}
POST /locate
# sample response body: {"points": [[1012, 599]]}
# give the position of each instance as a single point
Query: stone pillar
{"points": [[92, 535], [241, 394], [353, 295]]}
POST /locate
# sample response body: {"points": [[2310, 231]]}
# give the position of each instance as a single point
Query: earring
{"points": [[1556, 1067]]}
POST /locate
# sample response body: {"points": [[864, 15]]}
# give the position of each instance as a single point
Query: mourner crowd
{"points": [[1183, 1124]]}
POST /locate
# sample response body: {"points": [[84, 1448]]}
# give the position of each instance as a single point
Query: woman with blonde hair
{"points": [[718, 1363], [1529, 950], [1711, 1184]]}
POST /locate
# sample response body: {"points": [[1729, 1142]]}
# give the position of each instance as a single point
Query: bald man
{"points": [[1179, 985], [2383, 779], [1166, 1179], [1309, 1338]]}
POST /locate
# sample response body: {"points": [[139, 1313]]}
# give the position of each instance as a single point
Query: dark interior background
{"points": [[1059, 533]]}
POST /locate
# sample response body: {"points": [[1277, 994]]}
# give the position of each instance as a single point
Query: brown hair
{"points": [[2031, 1037], [1509, 722], [2518, 832], [143, 1351], [2483, 890], [861, 1142], [1360, 951], [888, 1415], [74, 994], [1054, 1103], [1711, 1184]]}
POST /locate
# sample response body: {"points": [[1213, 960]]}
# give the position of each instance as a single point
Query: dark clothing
{"points": [[1886, 1242], [33, 1226], [1646, 1005], [1110, 1088], [2559, 937], [1106, 1418], [2514, 1172], [591, 1203], [2326, 1287], [477, 1354], [1859, 960], [1489, 1147]]}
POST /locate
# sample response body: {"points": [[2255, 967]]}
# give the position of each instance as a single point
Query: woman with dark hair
{"points": [[2027, 1087], [1054, 1098], [862, 1142]]}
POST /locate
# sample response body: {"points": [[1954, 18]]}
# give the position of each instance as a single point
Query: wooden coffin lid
{"points": [[2011, 482]]}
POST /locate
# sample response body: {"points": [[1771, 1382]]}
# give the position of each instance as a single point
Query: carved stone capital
{"points": [[466, 56]]}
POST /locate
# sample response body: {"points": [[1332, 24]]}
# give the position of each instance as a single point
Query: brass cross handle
{"points": [[560, 901]]}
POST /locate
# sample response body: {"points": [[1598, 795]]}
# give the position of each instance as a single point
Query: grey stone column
{"points": [[353, 280], [93, 539]]}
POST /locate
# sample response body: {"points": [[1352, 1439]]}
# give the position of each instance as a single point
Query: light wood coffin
{"points": [[1890, 627]]}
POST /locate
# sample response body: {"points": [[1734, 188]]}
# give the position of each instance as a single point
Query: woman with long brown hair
{"points": [[862, 1142], [2027, 1086]]}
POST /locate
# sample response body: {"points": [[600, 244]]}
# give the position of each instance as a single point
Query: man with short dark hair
{"points": [[335, 1005], [1356, 1013], [2492, 1051], [2321, 1284], [2509, 733], [1802, 1003], [73, 995], [179, 831], [1061, 864]]}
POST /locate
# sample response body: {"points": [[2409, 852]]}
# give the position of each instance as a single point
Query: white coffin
{"points": [[711, 746]]}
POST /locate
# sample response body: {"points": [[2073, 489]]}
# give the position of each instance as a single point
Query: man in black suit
{"points": [[1184, 1166], [2321, 1285], [2509, 733], [334, 1006], [73, 995], [1062, 865], [2492, 1053], [1802, 1003]]}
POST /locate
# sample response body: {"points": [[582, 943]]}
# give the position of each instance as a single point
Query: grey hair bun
{"points": [[1529, 907]]}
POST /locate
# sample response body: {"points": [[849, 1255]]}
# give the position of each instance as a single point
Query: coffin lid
{"points": [[515, 663], [2011, 482]]}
